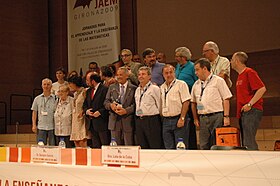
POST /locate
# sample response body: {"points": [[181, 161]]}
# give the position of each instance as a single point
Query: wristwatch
{"points": [[249, 104], [183, 118], [226, 116]]}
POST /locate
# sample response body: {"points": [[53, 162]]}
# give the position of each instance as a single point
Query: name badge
{"points": [[164, 110], [199, 106], [44, 113], [139, 112]]}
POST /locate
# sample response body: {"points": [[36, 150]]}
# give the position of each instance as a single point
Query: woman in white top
{"points": [[63, 116], [60, 76]]}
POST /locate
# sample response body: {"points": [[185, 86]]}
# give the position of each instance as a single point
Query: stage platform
{"points": [[157, 168]]}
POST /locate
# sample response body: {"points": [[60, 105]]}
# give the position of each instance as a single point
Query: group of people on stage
{"points": [[151, 104]]}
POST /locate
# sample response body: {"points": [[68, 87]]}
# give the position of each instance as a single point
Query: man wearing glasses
{"points": [[126, 56], [220, 66]]}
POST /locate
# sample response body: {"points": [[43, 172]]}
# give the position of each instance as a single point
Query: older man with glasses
{"points": [[219, 65], [126, 56]]}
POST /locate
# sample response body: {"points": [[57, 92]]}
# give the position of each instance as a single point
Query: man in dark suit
{"points": [[97, 115], [121, 105]]}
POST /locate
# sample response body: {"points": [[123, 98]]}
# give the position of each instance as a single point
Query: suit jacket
{"points": [[96, 104], [128, 103]]}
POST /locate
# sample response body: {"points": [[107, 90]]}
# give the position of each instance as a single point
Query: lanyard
{"points": [[141, 96], [203, 88], [167, 90], [216, 66]]}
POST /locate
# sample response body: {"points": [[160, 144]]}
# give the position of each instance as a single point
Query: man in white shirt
{"points": [[210, 100], [175, 98], [220, 66], [147, 100]]}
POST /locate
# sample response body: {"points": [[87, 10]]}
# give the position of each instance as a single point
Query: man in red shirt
{"points": [[249, 92]]}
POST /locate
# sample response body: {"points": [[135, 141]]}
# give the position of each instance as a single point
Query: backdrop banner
{"points": [[93, 33]]}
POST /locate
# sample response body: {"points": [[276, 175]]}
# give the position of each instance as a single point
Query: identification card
{"points": [[44, 113], [139, 112], [200, 106], [164, 110]]}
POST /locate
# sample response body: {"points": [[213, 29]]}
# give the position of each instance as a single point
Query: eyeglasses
{"points": [[177, 56], [204, 51], [125, 55]]}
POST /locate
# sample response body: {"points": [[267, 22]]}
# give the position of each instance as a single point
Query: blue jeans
{"points": [[171, 132], [249, 123], [207, 131], [44, 134]]}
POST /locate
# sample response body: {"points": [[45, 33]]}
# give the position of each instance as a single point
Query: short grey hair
{"points": [[184, 52], [242, 57], [213, 46], [48, 80], [148, 69], [126, 50], [123, 68]]}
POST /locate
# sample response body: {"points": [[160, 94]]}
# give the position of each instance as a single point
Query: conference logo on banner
{"points": [[93, 33]]}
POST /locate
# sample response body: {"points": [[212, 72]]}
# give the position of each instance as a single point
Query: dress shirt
{"points": [[221, 64], [45, 108], [172, 97], [150, 101], [215, 91]]}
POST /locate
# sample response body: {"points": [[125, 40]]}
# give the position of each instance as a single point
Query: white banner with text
{"points": [[93, 33]]}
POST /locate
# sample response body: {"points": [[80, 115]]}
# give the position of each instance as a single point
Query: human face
{"points": [[126, 57], [60, 75], [150, 59], [46, 86], [207, 52], [200, 72], [88, 81], [233, 62], [73, 87], [144, 77], [168, 74], [160, 58], [136, 58], [62, 93], [93, 68], [121, 76], [179, 58]]}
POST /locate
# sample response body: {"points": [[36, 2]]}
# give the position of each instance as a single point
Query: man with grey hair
{"points": [[185, 71], [148, 122], [219, 65], [43, 108], [121, 105], [126, 56]]}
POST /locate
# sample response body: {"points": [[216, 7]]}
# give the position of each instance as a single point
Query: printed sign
{"points": [[45, 154], [120, 155]]}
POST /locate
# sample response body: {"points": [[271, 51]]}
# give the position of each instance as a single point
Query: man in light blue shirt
{"points": [[43, 108]]}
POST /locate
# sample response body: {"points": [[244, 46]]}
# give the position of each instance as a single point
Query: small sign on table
{"points": [[45, 154], [121, 155]]}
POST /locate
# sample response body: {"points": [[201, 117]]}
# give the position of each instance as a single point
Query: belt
{"points": [[171, 117], [146, 117], [210, 114]]}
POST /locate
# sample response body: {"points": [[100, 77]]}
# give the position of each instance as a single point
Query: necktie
{"points": [[122, 93], [92, 93]]}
